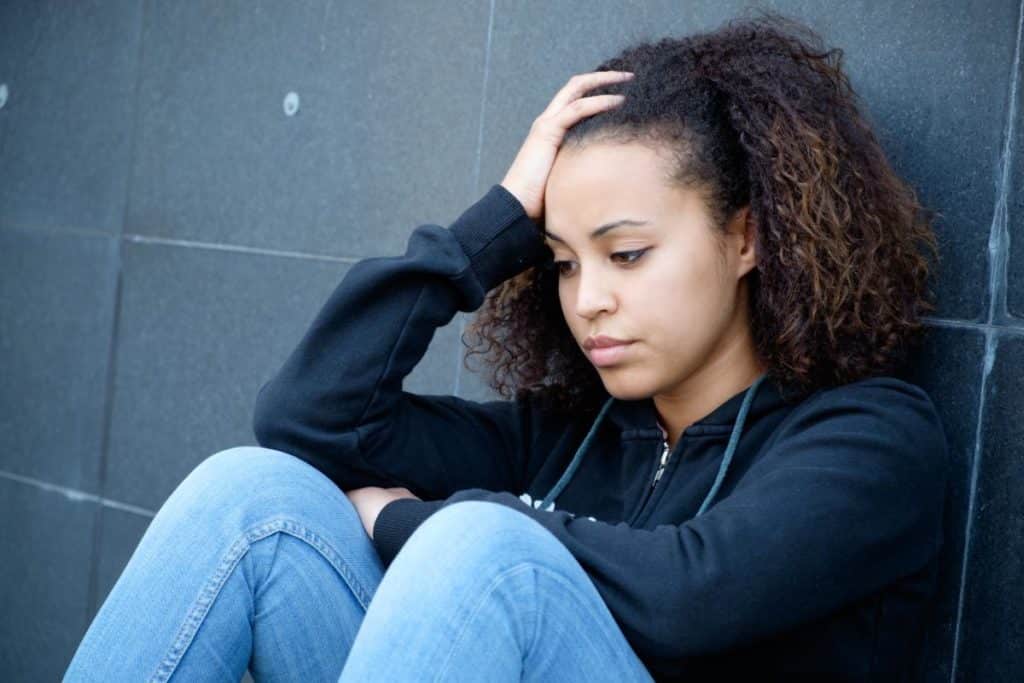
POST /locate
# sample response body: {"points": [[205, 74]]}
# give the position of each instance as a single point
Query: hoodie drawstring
{"points": [[734, 439], [563, 481]]}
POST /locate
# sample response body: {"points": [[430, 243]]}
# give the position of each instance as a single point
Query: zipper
{"points": [[665, 452], [664, 461]]}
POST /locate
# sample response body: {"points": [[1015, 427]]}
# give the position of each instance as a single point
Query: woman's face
{"points": [[681, 301]]}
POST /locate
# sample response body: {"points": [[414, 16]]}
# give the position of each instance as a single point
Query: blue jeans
{"points": [[257, 560]]}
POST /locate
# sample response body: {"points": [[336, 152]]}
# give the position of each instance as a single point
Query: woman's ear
{"points": [[743, 228]]}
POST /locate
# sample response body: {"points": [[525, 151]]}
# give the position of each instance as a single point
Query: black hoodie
{"points": [[809, 545]]}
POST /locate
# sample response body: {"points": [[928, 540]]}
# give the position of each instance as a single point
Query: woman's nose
{"points": [[593, 294]]}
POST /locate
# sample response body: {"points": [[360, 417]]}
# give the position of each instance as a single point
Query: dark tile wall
{"points": [[169, 227]]}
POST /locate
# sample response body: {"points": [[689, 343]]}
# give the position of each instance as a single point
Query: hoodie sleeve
{"points": [[847, 499], [338, 403]]}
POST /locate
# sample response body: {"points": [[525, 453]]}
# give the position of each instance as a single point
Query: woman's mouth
{"points": [[608, 355]]}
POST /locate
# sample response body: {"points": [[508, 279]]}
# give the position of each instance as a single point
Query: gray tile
{"points": [[201, 330], [56, 320], [933, 79], [385, 136], [65, 131], [44, 592], [949, 368], [992, 632]]}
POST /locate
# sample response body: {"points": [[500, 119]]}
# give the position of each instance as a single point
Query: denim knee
{"points": [[248, 464], [255, 482]]}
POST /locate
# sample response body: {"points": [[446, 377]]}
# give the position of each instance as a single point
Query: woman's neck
{"points": [[699, 394]]}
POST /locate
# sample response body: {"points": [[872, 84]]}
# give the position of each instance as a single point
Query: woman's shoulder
{"points": [[884, 411], [882, 391]]}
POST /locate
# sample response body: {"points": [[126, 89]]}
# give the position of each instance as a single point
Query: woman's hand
{"points": [[369, 500], [528, 175]]}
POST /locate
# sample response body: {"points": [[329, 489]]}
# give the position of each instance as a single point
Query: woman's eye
{"points": [[560, 267], [634, 254], [630, 258]]}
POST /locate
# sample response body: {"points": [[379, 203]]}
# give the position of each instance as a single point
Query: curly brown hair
{"points": [[755, 112]]}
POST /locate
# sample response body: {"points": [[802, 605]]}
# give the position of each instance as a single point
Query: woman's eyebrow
{"points": [[601, 230]]}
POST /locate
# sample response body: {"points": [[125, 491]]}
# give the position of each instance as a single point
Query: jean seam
{"points": [[571, 586], [208, 594], [495, 582]]}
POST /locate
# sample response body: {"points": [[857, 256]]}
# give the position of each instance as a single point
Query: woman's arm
{"points": [[337, 402]]}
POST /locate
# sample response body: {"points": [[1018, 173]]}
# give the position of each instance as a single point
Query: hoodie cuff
{"points": [[498, 237], [396, 521]]}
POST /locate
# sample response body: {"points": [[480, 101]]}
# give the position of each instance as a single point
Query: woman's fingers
{"points": [[582, 108], [581, 83]]}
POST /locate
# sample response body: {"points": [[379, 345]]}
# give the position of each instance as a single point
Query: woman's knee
{"points": [[262, 481], [249, 466]]}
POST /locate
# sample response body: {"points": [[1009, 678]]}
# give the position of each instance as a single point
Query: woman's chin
{"points": [[625, 387]]}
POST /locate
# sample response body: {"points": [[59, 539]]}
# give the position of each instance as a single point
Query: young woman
{"points": [[700, 276]]}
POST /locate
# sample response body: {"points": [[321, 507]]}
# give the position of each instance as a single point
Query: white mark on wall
{"points": [[291, 103], [3, 95]]}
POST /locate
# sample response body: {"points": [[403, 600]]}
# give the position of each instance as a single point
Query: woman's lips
{"points": [[609, 355]]}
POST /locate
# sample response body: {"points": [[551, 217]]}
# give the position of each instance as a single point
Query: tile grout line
{"points": [[991, 344], [174, 242], [92, 590], [195, 244], [972, 325], [76, 495], [475, 179], [998, 248], [999, 234]]}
